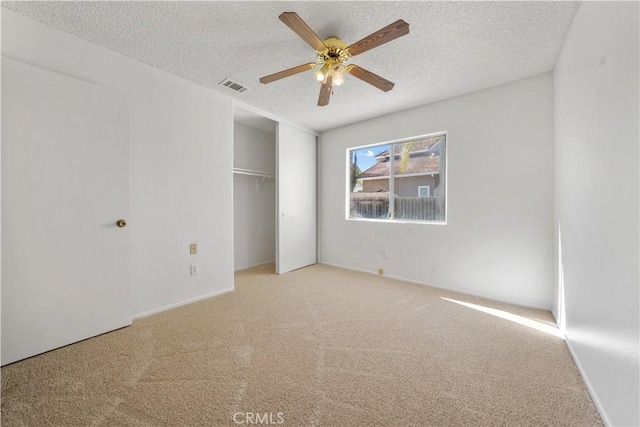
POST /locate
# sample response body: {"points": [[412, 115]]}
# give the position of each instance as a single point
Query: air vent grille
{"points": [[235, 86]]}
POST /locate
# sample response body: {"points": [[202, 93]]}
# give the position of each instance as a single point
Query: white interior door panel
{"points": [[65, 183], [296, 194]]}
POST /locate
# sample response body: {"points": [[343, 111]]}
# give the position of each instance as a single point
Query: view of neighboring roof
{"points": [[424, 158], [414, 146]]}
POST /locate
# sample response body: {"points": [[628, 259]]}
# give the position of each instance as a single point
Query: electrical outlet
{"points": [[193, 249], [195, 269], [384, 254]]}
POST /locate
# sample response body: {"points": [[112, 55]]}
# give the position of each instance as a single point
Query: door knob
{"points": [[121, 223]]}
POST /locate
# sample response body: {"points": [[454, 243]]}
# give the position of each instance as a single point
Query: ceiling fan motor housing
{"points": [[335, 53]]}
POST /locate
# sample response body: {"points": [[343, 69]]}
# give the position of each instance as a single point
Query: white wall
{"points": [[596, 166], [499, 236], [181, 163], [254, 212]]}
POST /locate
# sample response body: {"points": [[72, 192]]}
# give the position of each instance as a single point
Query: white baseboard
{"points": [[592, 392], [417, 282], [181, 303], [255, 265]]}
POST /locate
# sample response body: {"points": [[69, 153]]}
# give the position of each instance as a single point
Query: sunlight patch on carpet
{"points": [[539, 326]]}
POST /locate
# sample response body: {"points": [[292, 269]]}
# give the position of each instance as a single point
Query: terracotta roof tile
{"points": [[421, 159], [418, 163], [417, 145]]}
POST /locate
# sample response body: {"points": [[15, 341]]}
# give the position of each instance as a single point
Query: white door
{"points": [[296, 194], [65, 183]]}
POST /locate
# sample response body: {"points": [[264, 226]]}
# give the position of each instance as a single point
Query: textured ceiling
{"points": [[452, 48]]}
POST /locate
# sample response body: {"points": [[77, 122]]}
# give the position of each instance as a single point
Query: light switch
{"points": [[193, 248]]}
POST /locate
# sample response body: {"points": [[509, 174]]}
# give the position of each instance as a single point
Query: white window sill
{"points": [[397, 221]]}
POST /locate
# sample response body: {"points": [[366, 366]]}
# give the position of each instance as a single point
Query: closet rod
{"points": [[253, 173]]}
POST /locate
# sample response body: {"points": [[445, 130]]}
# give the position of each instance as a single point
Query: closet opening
{"points": [[254, 190]]}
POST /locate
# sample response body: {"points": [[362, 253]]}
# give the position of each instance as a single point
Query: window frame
{"points": [[428, 187], [391, 183]]}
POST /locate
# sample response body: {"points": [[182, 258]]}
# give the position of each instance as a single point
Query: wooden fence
{"points": [[420, 208], [370, 205], [376, 205]]}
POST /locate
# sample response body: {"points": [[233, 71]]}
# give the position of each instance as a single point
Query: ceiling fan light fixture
{"points": [[322, 73], [338, 74]]}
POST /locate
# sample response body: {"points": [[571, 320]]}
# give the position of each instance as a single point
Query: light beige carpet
{"points": [[321, 346]]}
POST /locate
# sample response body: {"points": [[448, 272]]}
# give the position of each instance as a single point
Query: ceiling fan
{"points": [[333, 53]]}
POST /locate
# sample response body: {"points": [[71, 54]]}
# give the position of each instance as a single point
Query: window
{"points": [[424, 191], [410, 172]]}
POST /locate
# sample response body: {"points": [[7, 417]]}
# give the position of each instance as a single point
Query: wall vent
{"points": [[235, 86]]}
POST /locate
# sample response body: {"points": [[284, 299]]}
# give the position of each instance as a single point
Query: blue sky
{"points": [[367, 156]]}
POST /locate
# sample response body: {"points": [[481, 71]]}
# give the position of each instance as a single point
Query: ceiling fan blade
{"points": [[286, 73], [325, 93], [371, 78], [293, 21], [382, 36]]}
